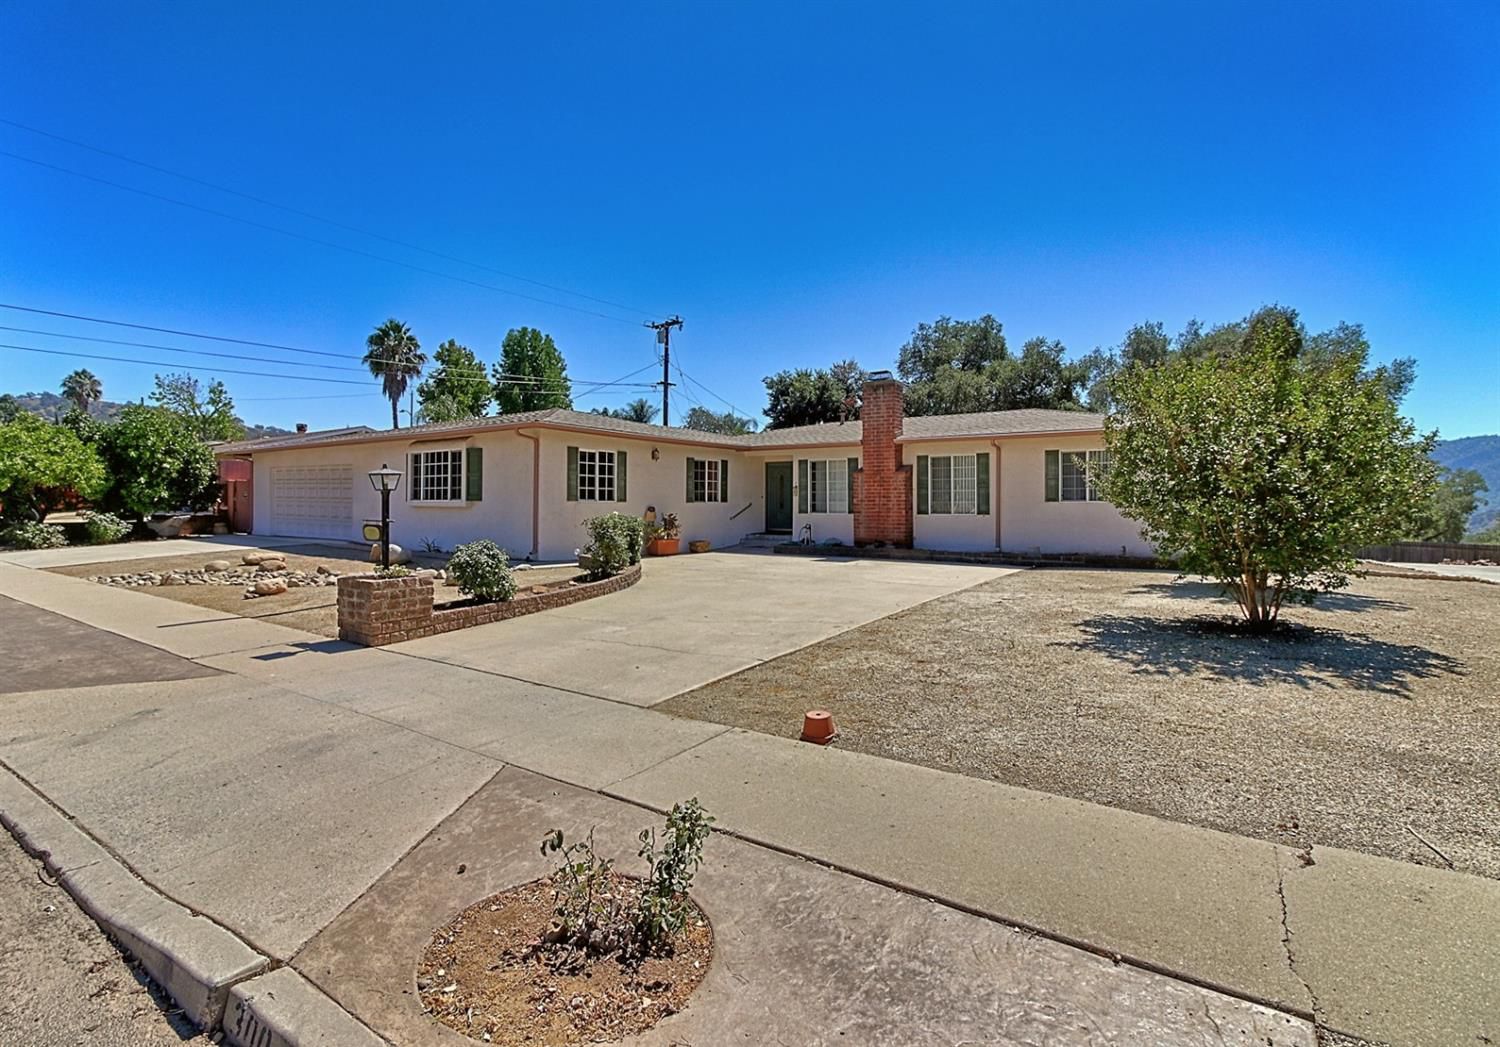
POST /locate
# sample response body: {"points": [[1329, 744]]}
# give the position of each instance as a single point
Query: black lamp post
{"points": [[385, 480]]}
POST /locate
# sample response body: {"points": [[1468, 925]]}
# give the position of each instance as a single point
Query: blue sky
{"points": [[802, 182]]}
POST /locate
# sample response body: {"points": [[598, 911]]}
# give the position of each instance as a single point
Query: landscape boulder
{"points": [[271, 565], [398, 554], [270, 587], [217, 565]]}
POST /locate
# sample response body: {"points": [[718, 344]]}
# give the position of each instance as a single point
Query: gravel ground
{"points": [[1381, 710], [313, 610], [61, 981]]}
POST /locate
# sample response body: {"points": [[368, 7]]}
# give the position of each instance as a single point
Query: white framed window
{"points": [[952, 484], [596, 476], [1081, 476], [828, 485], [1076, 476], [437, 477], [707, 481]]}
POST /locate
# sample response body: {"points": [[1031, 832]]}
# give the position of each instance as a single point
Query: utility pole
{"points": [[663, 331]]}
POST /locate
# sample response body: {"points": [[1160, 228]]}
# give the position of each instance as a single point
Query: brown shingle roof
{"points": [[931, 427]]}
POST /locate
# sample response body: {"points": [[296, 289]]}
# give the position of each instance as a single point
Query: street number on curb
{"points": [[248, 1030]]}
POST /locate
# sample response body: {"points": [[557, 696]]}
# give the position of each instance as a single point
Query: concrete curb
{"points": [[284, 1009], [209, 972]]}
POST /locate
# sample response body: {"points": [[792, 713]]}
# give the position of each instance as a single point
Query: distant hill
{"points": [[53, 407], [1482, 454]]}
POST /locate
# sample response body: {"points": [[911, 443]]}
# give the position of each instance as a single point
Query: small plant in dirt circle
{"points": [[601, 913], [482, 569]]}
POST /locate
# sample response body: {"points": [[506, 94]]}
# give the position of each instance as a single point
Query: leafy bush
{"points": [[395, 570], [41, 463], [32, 535], [103, 528], [156, 462], [663, 908], [600, 912], [616, 542], [482, 569]]}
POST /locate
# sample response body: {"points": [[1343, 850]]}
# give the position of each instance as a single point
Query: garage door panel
{"points": [[316, 501]]}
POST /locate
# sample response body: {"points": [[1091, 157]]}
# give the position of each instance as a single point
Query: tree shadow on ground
{"points": [[1299, 656], [1213, 592]]}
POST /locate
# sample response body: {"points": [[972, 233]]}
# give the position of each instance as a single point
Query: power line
{"points": [[241, 341], [162, 363], [174, 349], [312, 239], [689, 378], [320, 218]]}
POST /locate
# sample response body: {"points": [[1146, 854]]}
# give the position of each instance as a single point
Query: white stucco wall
{"points": [[1031, 524], [503, 514], [969, 532], [661, 483]]}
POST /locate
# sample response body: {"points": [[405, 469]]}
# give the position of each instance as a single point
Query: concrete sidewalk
{"points": [[332, 762]]}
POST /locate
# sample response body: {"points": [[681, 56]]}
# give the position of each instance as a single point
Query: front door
{"points": [[779, 497]]}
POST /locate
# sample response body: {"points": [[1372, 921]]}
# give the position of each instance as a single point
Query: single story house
{"points": [[1009, 481]]}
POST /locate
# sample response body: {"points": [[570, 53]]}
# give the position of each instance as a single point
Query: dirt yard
{"points": [[1377, 719], [313, 610]]}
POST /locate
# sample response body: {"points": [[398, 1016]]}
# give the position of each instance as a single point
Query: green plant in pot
{"points": [[665, 538]]}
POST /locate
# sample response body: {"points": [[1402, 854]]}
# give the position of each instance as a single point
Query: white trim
{"points": [[835, 479], [414, 490], [962, 485]]}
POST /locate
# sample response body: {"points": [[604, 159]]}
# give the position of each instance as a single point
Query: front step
{"points": [[761, 540]]}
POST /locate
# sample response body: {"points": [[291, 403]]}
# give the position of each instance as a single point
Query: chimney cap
{"points": [[301, 427], [880, 376]]}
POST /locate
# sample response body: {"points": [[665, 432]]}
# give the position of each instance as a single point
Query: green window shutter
{"points": [[473, 474], [802, 485], [413, 476], [692, 464], [572, 474], [921, 485], [619, 476], [723, 479], [853, 469], [1054, 475], [982, 484]]}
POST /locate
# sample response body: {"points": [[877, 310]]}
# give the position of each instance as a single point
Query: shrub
{"points": [[103, 528], [32, 535], [482, 569], [616, 542], [156, 461], [600, 912], [41, 464]]}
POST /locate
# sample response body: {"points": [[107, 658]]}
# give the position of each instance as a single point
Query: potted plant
{"points": [[665, 538]]}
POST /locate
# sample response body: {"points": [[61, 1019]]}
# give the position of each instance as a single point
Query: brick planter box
{"points": [[378, 611]]}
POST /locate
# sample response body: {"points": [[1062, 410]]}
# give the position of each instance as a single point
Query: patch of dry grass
{"points": [[1380, 712]]}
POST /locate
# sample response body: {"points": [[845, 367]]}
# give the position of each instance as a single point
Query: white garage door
{"points": [[316, 501]]}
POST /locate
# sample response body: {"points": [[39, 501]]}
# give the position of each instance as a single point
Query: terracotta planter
{"points": [[817, 727], [664, 546]]}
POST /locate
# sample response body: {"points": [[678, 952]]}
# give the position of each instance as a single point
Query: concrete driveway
{"points": [[695, 618]]}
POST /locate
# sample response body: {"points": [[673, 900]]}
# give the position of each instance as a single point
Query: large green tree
{"points": [[958, 366], [209, 411], [156, 462], [727, 422], [1261, 468], [83, 388], [459, 388], [1445, 516], [393, 354], [40, 463], [532, 374], [807, 396]]}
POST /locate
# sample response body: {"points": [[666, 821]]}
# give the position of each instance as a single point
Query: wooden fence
{"points": [[1430, 552]]}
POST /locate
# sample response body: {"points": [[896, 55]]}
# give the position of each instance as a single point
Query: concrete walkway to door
{"points": [[697, 618]]}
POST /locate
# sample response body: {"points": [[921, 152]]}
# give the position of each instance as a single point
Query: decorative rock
{"points": [[173, 579], [398, 554], [217, 565], [270, 587], [254, 557], [323, 568], [271, 565]]}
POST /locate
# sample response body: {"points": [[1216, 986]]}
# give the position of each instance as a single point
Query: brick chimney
{"points": [[301, 427], [882, 490]]}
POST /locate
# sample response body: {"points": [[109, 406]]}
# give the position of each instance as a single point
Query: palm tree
{"points": [[83, 389], [395, 357]]}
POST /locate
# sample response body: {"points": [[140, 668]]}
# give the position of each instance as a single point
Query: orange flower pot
{"points": [[817, 727], [664, 546]]}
